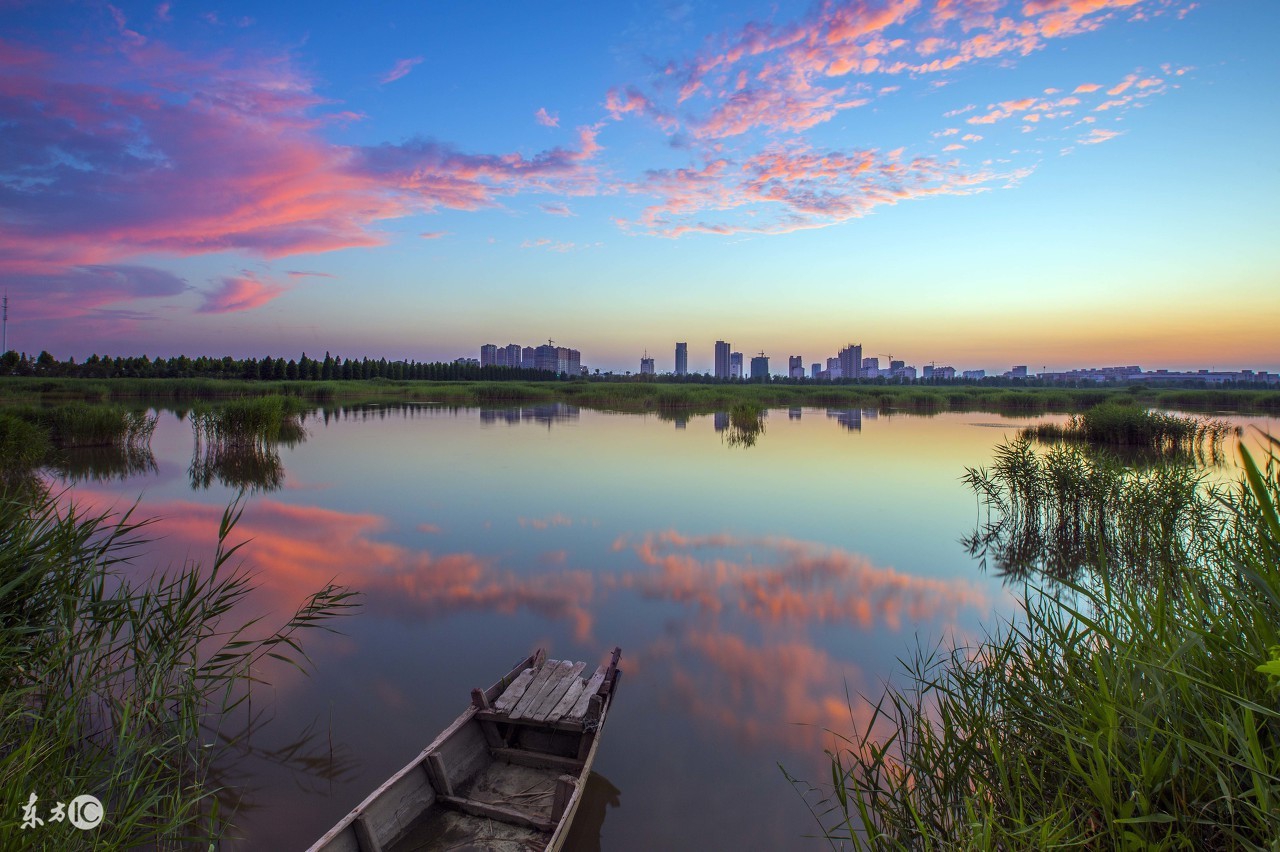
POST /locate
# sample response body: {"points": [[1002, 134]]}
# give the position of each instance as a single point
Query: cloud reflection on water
{"points": [[739, 654]]}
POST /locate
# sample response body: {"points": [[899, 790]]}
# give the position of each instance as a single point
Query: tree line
{"points": [[329, 368]]}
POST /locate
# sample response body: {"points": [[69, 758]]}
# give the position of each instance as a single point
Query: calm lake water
{"points": [[750, 588]]}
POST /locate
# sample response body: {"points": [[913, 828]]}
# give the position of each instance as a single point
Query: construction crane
{"points": [[883, 355]]}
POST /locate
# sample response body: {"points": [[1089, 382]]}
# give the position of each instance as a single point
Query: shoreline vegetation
{"points": [[124, 685], [1133, 702], [640, 396]]}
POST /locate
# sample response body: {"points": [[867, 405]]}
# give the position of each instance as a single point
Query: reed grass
{"points": [[118, 687], [1115, 424], [634, 395], [80, 424], [1111, 714]]}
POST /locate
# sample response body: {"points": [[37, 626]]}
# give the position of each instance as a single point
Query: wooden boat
{"points": [[507, 774]]}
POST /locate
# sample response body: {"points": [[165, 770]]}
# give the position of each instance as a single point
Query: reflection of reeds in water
{"points": [[746, 425], [236, 443], [1141, 436], [1065, 511], [1107, 714], [103, 464]]}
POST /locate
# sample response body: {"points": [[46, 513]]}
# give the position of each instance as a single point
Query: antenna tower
{"points": [[4, 346]]}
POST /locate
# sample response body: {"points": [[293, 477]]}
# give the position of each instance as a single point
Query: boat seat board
{"points": [[551, 692]]}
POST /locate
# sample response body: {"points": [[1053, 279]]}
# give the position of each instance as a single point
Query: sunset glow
{"points": [[1067, 183]]}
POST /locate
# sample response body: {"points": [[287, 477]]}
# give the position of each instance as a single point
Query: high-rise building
{"points": [[646, 365], [851, 361], [722, 360], [735, 365], [833, 368], [814, 369], [501, 359], [488, 355], [513, 355], [529, 358], [760, 367], [682, 359], [544, 358], [795, 367]]}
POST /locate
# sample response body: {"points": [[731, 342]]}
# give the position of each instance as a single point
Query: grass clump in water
{"points": [[1116, 424], [1115, 714], [237, 443], [114, 687]]}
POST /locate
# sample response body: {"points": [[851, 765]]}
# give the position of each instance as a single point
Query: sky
{"points": [[979, 183]]}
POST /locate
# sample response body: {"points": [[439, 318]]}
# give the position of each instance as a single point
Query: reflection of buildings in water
{"points": [[681, 420], [870, 413], [849, 418], [722, 420], [793, 413], [547, 413]]}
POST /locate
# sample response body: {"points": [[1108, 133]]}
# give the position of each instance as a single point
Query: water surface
{"points": [[751, 590]]}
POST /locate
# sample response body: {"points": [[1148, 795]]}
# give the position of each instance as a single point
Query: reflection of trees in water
{"points": [[1069, 512], [101, 464]]}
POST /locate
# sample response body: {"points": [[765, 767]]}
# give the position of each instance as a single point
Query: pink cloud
{"points": [[239, 294], [191, 155], [401, 68], [433, 235], [1085, 88], [556, 209], [788, 188], [545, 118], [787, 63], [1099, 135]]}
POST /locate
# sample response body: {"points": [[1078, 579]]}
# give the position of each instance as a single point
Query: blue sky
{"points": [[981, 183]]}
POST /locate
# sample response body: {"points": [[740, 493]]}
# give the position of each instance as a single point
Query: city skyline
{"points": [[1061, 183]]}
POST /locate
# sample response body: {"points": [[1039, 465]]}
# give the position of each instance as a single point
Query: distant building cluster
{"points": [[1137, 374], [548, 357], [849, 363]]}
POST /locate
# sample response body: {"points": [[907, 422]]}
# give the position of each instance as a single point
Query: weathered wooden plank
{"points": [[515, 691], [553, 696], [546, 680], [439, 775], [538, 760], [565, 724], [580, 709], [498, 812], [366, 836], [566, 702], [566, 786]]}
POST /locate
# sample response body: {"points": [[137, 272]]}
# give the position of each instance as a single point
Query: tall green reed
{"points": [[119, 687], [1107, 714]]}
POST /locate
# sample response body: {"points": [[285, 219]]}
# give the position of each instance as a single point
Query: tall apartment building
{"points": [[514, 358], [851, 361], [760, 367], [646, 365], [722, 360], [833, 368], [735, 365], [682, 359], [488, 355], [814, 369], [529, 358], [795, 367], [870, 368]]}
